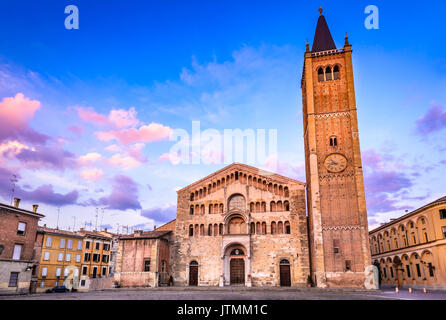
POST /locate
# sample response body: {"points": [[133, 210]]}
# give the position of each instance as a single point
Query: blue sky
{"points": [[159, 65]]}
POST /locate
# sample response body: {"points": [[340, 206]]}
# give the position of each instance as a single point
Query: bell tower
{"points": [[339, 242]]}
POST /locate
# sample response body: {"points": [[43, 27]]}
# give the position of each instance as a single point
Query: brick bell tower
{"points": [[337, 210]]}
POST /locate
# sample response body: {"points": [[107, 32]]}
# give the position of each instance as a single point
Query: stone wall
{"points": [[263, 251], [6, 267]]}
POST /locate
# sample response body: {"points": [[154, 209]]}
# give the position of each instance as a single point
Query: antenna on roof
{"points": [[58, 214], [13, 181]]}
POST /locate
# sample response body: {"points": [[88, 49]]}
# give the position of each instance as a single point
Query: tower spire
{"points": [[323, 40]]}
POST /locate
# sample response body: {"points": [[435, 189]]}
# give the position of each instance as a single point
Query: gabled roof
{"points": [[323, 40], [253, 170]]}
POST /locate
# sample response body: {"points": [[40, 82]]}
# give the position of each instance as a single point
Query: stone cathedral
{"points": [[244, 226]]}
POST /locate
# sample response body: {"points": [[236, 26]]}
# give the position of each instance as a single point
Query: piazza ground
{"points": [[234, 294]]}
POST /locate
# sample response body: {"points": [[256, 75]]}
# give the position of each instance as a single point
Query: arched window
{"points": [[236, 201], [273, 228], [286, 204], [333, 141], [279, 206], [287, 227], [252, 207], [263, 227], [221, 207], [272, 206], [258, 207], [202, 209], [210, 230], [253, 228], [258, 230], [193, 263], [236, 226], [320, 74], [215, 230], [284, 262], [286, 192], [220, 229], [202, 230], [336, 73], [216, 208], [196, 230], [263, 206], [211, 209], [191, 210], [328, 75], [191, 231], [280, 227], [192, 196]]}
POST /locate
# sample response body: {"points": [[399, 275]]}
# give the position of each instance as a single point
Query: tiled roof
{"points": [[58, 231], [145, 235]]}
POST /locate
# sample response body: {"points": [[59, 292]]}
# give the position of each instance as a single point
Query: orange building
{"points": [[60, 260], [96, 252]]}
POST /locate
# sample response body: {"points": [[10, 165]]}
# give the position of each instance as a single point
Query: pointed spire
{"points": [[346, 44], [307, 48], [322, 39]]}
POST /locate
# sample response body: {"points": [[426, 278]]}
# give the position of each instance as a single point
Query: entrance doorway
{"points": [[193, 273], [237, 271], [285, 273]]}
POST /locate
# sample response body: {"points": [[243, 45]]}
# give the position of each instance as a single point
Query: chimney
{"points": [[16, 202], [105, 229], [35, 206], [138, 233], [154, 227]]}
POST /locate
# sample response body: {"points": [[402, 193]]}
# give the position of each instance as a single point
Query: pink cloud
{"points": [[124, 195], [15, 115], [76, 129], [47, 158], [123, 118], [91, 116], [89, 159], [146, 133], [433, 120], [124, 162], [92, 174]]}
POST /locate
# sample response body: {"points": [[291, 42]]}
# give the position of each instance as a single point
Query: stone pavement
{"points": [[233, 293]]}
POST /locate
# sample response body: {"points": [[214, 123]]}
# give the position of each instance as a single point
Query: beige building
{"points": [[411, 250]]}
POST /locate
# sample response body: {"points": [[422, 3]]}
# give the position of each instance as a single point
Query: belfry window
{"points": [[333, 141], [328, 75], [320, 75], [336, 73]]}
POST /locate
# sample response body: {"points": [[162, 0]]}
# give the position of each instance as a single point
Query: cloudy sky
{"points": [[86, 115]]}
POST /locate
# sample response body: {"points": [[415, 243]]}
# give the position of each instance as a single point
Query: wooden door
{"points": [[285, 275], [237, 271], [193, 275]]}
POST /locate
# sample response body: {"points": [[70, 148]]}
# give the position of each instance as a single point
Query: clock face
{"points": [[335, 163]]}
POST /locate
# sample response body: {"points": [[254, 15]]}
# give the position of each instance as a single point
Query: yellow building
{"points": [[96, 252], [61, 258], [411, 251]]}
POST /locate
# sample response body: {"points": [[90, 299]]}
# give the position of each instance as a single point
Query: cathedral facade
{"points": [[244, 226]]}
